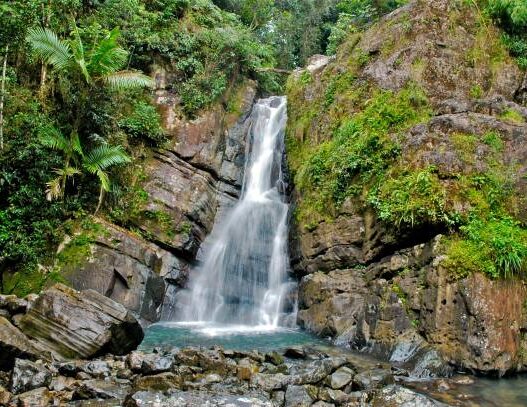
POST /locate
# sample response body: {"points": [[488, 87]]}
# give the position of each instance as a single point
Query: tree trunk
{"points": [[101, 198], [2, 97]]}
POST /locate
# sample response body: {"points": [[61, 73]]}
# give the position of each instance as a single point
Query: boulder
{"points": [[102, 389], [395, 395], [13, 344], [341, 378], [28, 375], [297, 396], [150, 363], [127, 269], [75, 324], [40, 397]]}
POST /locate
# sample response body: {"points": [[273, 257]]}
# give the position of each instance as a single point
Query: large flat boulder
{"points": [[75, 324], [13, 344]]}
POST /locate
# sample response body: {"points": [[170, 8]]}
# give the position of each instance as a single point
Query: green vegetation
{"points": [[77, 107], [360, 152], [511, 15]]}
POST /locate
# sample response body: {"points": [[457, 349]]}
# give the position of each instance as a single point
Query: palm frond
{"points": [[104, 180], [67, 172], [78, 54], [103, 157], [51, 137], [53, 190], [49, 47], [107, 57], [76, 143], [128, 80]]}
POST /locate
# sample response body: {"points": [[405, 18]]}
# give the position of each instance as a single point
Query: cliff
{"points": [[407, 150]]}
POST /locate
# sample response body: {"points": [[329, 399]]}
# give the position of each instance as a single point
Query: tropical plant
{"points": [[100, 66], [97, 161]]}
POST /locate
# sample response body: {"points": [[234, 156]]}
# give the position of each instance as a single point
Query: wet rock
{"points": [[195, 398], [271, 382], [77, 324], [395, 395], [341, 378], [150, 363], [295, 352], [160, 382], [61, 383], [96, 368], [374, 378], [103, 389], [274, 357], [40, 397], [28, 375], [13, 344], [313, 373], [297, 396]]}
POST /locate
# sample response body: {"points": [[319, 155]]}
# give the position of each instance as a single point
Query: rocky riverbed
{"points": [[67, 347]]}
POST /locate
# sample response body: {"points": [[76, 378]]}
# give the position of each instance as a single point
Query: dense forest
{"points": [[76, 109]]}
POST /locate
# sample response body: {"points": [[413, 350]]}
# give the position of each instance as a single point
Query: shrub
{"points": [[496, 247], [144, 123]]}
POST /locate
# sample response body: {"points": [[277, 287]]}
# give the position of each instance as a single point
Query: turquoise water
{"points": [[234, 337], [506, 392]]}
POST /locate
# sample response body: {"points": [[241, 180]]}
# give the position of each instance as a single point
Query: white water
{"points": [[243, 282]]}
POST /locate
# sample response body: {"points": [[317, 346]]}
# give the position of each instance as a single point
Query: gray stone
{"points": [[395, 395], [28, 375], [77, 324], [297, 396], [372, 379], [13, 344], [195, 398], [150, 363], [103, 389], [341, 378]]}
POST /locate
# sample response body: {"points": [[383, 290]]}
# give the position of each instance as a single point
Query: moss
{"points": [[79, 248], [494, 141], [512, 116], [476, 92], [357, 156]]}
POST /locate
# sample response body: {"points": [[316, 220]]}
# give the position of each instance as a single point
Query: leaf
{"points": [[48, 47], [51, 137], [104, 157], [107, 57], [128, 80], [78, 53]]}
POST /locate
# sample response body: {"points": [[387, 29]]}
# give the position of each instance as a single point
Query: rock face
{"points": [[128, 269], [72, 324], [385, 290], [183, 187]]}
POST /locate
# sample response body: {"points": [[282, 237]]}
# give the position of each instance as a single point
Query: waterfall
{"points": [[243, 279]]}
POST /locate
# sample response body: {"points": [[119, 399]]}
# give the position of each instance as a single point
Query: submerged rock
{"points": [[75, 324]]}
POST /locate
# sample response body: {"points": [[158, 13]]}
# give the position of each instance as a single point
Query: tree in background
{"points": [[86, 69]]}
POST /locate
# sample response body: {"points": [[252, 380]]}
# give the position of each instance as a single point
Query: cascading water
{"points": [[244, 277]]}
